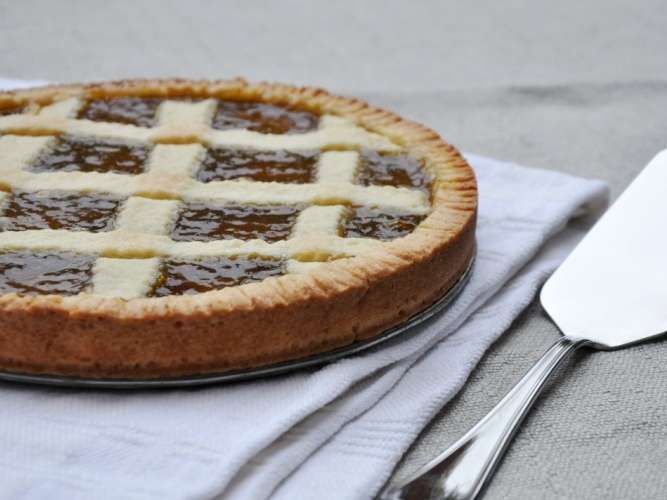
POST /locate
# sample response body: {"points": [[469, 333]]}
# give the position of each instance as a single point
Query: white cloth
{"points": [[333, 432]]}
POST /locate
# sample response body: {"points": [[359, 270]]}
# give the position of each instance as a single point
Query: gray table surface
{"points": [[576, 86]]}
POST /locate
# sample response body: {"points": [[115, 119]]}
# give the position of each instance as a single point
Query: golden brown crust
{"points": [[257, 324]]}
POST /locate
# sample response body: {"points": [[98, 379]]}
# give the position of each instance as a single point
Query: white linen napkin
{"points": [[332, 432]]}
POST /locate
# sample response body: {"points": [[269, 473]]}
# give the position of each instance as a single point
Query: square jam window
{"points": [[44, 273], [58, 210], [205, 275], [71, 154], [139, 111], [262, 166], [263, 118], [200, 221], [378, 169], [364, 222]]}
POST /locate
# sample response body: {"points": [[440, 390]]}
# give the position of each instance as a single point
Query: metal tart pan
{"points": [[248, 373]]}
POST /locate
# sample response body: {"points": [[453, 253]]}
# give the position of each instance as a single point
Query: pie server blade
{"points": [[610, 292], [612, 289]]}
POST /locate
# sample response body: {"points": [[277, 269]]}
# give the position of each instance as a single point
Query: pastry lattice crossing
{"points": [[189, 201], [118, 201]]}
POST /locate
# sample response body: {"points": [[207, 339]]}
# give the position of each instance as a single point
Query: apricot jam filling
{"points": [[59, 210], [205, 275], [139, 111], [364, 222], [200, 221], [15, 110], [264, 118], [37, 273], [264, 166], [70, 154], [256, 116], [393, 170]]}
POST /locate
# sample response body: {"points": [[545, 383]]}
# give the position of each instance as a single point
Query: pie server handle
{"points": [[462, 471]]}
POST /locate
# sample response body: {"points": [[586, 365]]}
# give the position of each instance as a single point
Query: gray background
{"points": [[577, 86]]}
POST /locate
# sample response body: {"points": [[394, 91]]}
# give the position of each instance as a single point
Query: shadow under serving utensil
{"points": [[609, 293]]}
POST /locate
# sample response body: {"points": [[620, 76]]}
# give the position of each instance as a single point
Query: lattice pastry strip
{"points": [[127, 244], [319, 221], [338, 166], [175, 159], [18, 152], [4, 200], [66, 108], [147, 216], [197, 113], [161, 186], [336, 135], [124, 278]]}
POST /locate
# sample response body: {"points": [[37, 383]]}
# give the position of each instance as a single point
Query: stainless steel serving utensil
{"points": [[609, 293]]}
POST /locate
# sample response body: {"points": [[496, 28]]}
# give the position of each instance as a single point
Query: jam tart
{"points": [[171, 228]]}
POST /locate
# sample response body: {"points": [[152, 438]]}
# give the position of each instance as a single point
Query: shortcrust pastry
{"points": [[170, 228]]}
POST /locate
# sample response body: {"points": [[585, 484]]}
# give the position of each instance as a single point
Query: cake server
{"points": [[609, 293]]}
